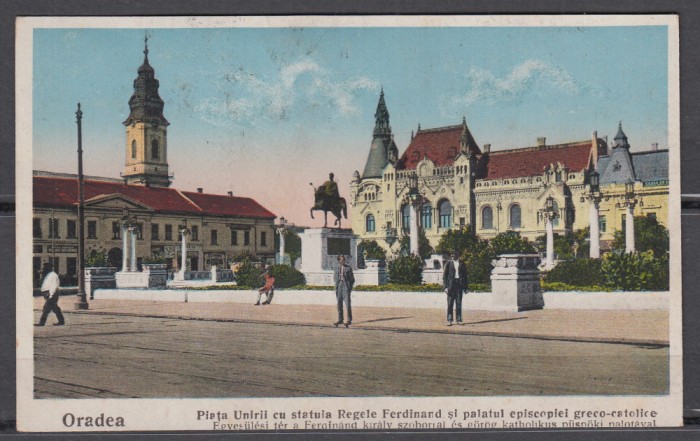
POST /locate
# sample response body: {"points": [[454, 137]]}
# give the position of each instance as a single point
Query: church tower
{"points": [[383, 148], [146, 131]]}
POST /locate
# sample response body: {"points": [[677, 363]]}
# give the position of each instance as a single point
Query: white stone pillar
{"points": [[413, 239], [281, 233], [594, 224], [132, 266], [183, 265], [549, 262], [125, 248], [629, 229]]}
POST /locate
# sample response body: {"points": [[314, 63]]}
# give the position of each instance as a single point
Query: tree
{"points": [[475, 252], [406, 270], [424, 248], [292, 244], [564, 244], [373, 249], [648, 235], [510, 242]]}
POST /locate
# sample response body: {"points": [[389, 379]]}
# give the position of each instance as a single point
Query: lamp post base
{"points": [[82, 303]]}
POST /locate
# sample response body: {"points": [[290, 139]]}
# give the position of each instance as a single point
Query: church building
{"points": [[461, 183], [221, 227]]}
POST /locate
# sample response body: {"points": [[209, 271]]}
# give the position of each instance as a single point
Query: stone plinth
{"points": [[515, 283], [152, 276], [320, 248], [374, 273], [99, 277]]}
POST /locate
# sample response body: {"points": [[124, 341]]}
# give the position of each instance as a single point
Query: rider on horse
{"points": [[327, 198]]}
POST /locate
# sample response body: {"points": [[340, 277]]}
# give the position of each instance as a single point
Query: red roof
{"points": [[63, 192], [440, 145], [533, 160]]}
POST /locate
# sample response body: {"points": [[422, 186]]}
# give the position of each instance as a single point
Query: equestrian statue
{"points": [[327, 198]]}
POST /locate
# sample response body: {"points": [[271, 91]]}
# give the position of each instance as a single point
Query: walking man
{"points": [[343, 280], [49, 289], [455, 283]]}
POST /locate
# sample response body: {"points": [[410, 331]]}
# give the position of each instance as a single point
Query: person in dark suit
{"points": [[455, 283], [343, 280]]}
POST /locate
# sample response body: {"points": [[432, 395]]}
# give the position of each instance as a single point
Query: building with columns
{"points": [[460, 183], [220, 226]]}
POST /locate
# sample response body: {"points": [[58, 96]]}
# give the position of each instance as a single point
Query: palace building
{"points": [[461, 183], [220, 226]]}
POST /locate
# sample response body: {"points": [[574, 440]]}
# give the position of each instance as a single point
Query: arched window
{"points": [[555, 221], [369, 223], [155, 150], [133, 149], [406, 217], [515, 216], [426, 216], [487, 218], [445, 209]]}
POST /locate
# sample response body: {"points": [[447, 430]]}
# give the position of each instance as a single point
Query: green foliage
{"points": [[424, 248], [96, 258], [406, 270], [564, 245], [155, 258], [560, 286], [475, 252], [635, 271], [373, 249], [292, 244], [249, 275], [577, 272], [429, 287], [287, 276], [244, 256], [648, 235], [510, 242]]}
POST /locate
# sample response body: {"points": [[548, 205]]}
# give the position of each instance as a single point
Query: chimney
{"points": [[200, 190], [654, 146], [230, 193], [487, 148], [541, 141]]}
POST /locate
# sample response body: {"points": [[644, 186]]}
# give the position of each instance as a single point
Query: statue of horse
{"points": [[324, 203]]}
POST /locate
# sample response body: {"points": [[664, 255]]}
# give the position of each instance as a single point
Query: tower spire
{"points": [[621, 138], [145, 47]]}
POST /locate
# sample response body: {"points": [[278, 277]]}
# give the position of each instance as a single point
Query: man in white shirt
{"points": [[455, 282], [49, 289]]}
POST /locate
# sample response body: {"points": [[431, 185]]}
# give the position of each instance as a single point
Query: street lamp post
{"points": [[549, 214], [629, 202], [594, 197], [82, 302], [125, 239], [415, 200], [282, 230], [184, 231]]}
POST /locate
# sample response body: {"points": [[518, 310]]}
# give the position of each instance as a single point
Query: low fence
{"points": [[477, 301]]}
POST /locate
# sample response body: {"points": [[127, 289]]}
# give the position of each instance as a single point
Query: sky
{"points": [[263, 112]]}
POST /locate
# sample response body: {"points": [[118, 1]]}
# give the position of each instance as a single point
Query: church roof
{"points": [[441, 145], [649, 166], [145, 104], [531, 161], [62, 192]]}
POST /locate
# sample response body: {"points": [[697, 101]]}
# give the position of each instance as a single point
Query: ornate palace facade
{"points": [[461, 184]]}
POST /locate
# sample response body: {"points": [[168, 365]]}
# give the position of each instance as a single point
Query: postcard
{"points": [[341, 223]]}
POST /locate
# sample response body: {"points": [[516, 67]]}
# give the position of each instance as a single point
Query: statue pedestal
{"points": [[515, 283], [320, 248]]}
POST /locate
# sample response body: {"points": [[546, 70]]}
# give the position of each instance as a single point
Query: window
{"points": [[557, 176], [515, 216], [70, 229], [155, 149], [234, 237], [71, 266], [214, 237], [426, 216], [92, 229], [168, 232], [369, 224], [195, 233], [154, 232], [487, 218], [53, 228], [651, 216], [139, 231], [37, 227], [445, 209], [246, 238], [555, 207], [406, 217], [602, 224], [624, 222], [617, 167], [462, 221], [263, 239], [133, 149], [55, 262], [116, 230]]}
